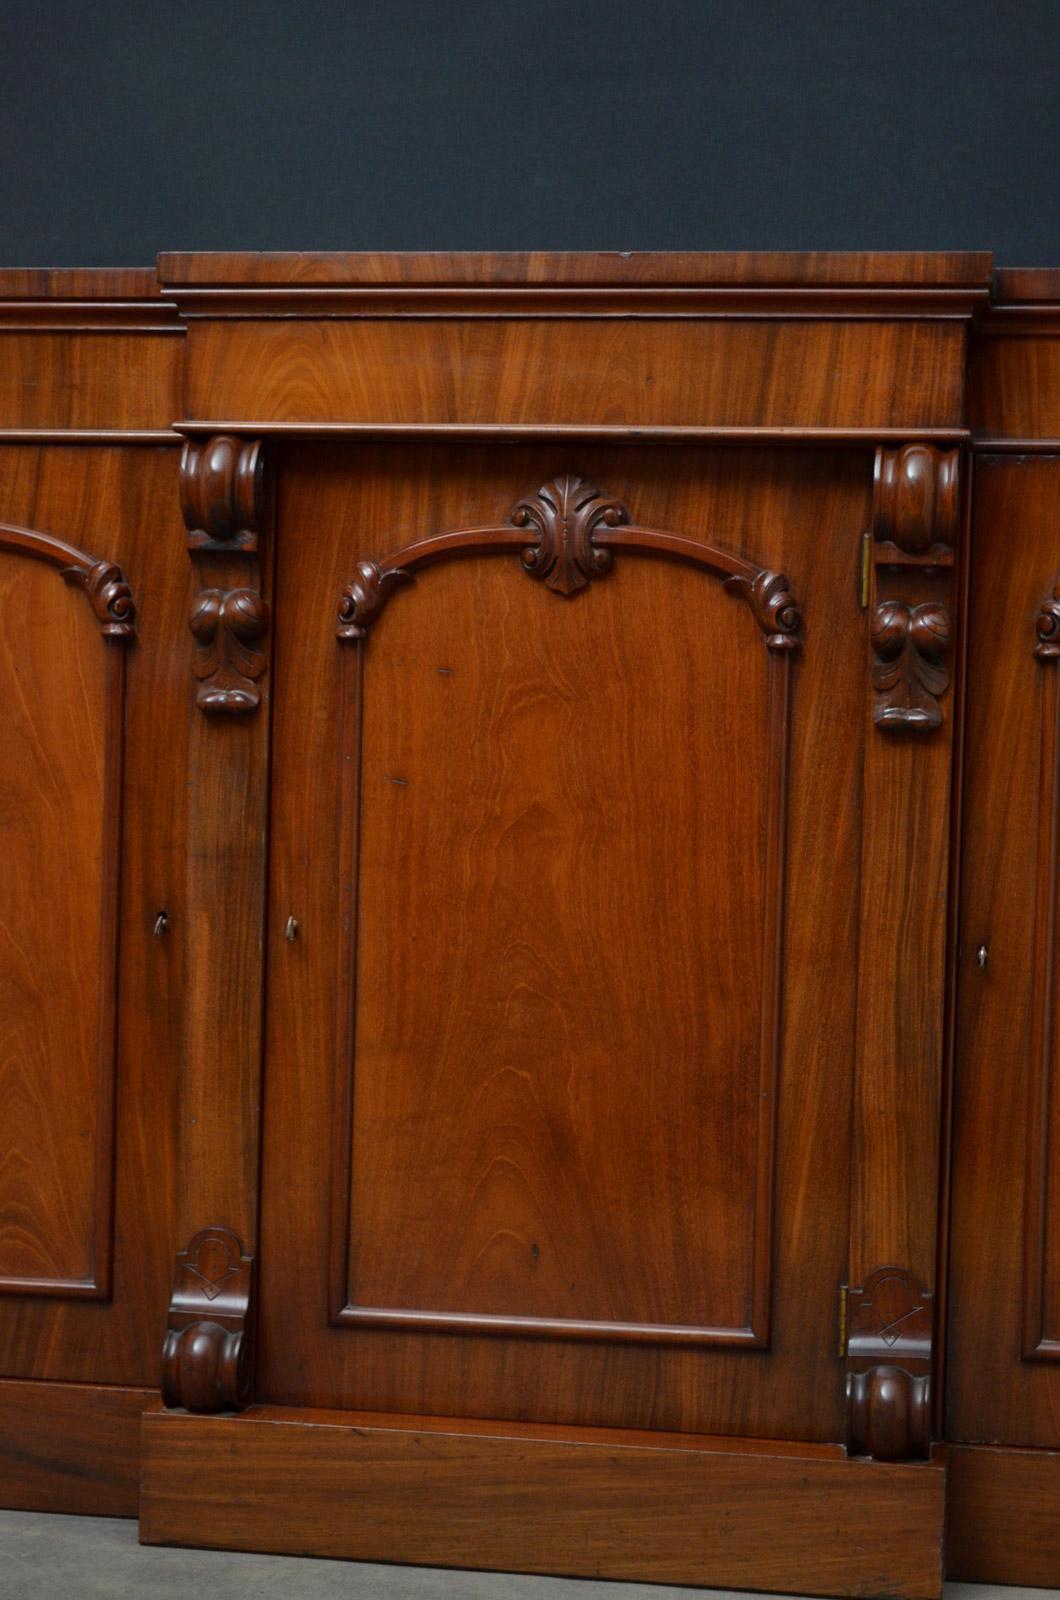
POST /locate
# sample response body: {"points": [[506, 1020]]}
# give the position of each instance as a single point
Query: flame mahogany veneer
{"points": [[530, 799]]}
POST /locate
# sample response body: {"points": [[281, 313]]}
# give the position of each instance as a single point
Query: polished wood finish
{"points": [[565, 533], [1004, 1314], [908, 593], [71, 1447], [1005, 1388], [59, 380], [665, 1508], [226, 498], [61, 779], [596, 1007], [1003, 1516], [119, 505], [968, 269], [640, 373], [527, 790]]}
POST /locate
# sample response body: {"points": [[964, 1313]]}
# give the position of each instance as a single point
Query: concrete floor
{"points": [[96, 1558]]}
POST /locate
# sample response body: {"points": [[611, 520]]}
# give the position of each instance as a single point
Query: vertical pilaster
{"points": [[225, 497]]}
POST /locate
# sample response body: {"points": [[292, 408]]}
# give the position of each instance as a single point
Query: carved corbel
{"points": [[916, 508], [223, 498], [206, 1363], [888, 1328]]}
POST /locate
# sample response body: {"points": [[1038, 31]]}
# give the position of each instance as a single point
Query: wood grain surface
{"points": [[1005, 1292], [624, 1507], [121, 504], [71, 1448], [607, 268], [518, 806], [866, 374], [1003, 1516]]}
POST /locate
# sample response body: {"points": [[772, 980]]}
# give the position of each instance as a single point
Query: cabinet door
{"points": [[563, 905], [90, 850], [1004, 1363]]}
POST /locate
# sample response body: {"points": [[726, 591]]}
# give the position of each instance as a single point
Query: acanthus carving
{"points": [[579, 529], [565, 513], [910, 672], [230, 627], [222, 484], [1047, 627], [774, 607], [206, 1358], [889, 1332]]}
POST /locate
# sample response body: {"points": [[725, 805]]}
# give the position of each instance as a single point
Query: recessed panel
{"points": [[56, 1014], [558, 1075]]}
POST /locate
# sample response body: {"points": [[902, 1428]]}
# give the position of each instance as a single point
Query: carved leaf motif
{"points": [[565, 512], [230, 626], [1047, 627], [910, 670]]}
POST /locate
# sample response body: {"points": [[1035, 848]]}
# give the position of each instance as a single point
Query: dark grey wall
{"points": [[126, 128]]}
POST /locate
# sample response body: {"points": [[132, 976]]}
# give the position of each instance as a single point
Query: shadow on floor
{"points": [[97, 1558]]}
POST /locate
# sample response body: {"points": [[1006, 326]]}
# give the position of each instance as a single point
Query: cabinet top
{"points": [[596, 269]]}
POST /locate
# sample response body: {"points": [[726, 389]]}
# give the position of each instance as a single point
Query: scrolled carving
{"points": [[889, 1414], [1047, 627], [916, 502], [363, 598], [222, 491], [230, 626], [102, 581], [206, 1357], [565, 512], [109, 595], [773, 605], [910, 671], [578, 529]]}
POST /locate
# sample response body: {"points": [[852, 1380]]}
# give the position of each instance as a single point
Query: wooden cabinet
{"points": [[501, 1062]]}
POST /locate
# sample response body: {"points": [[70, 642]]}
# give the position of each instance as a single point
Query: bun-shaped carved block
{"points": [[889, 1414], [222, 491], [916, 501], [205, 1368]]}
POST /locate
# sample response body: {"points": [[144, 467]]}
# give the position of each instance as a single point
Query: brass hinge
{"points": [[843, 1293], [865, 573]]}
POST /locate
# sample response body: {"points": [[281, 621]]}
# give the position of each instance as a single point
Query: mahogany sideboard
{"points": [[529, 802]]}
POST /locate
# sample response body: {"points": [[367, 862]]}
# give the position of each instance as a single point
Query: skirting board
{"points": [[72, 1447], [1003, 1516], [664, 1508]]}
